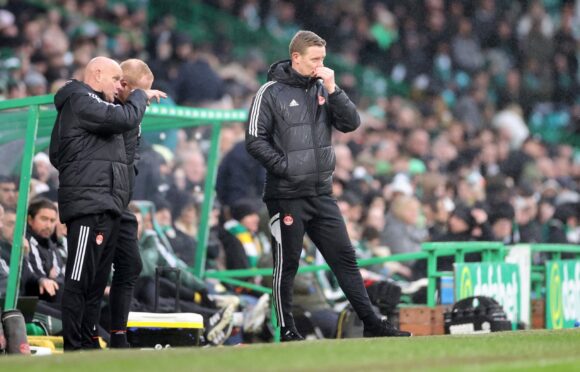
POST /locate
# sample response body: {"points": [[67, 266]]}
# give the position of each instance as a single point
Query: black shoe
{"points": [[219, 325], [289, 334], [385, 329], [119, 341]]}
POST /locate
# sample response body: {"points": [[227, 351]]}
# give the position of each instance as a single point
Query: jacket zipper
{"points": [[314, 115]]}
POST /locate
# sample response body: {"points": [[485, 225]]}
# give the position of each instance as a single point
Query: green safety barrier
{"points": [[228, 276], [552, 252], [491, 252], [562, 294]]}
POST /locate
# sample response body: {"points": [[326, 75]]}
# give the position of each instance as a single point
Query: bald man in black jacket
{"points": [[88, 149]]}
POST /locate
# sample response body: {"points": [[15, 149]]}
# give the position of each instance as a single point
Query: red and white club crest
{"points": [[288, 220], [321, 100], [100, 238]]}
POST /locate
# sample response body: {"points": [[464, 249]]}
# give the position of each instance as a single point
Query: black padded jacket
{"points": [[289, 132], [88, 149]]}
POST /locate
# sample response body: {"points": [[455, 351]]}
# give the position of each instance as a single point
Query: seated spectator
{"points": [[42, 265], [192, 171], [242, 247], [465, 224], [44, 260], [528, 229], [501, 220], [371, 242], [45, 176], [402, 233], [181, 225], [436, 212], [8, 192], [562, 227], [7, 224]]}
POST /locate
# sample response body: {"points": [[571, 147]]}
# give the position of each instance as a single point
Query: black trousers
{"points": [[320, 218], [127, 266], [91, 246]]}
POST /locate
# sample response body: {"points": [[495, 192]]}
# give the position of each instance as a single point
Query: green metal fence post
{"points": [[274, 322], [210, 178], [21, 210], [431, 277], [459, 255]]}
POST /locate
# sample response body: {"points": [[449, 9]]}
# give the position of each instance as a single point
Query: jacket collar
{"points": [[283, 72]]}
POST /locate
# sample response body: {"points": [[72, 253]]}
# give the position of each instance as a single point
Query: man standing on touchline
{"points": [[88, 150], [127, 264], [289, 132]]}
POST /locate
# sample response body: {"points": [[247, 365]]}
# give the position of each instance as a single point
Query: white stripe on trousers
{"points": [[253, 127], [277, 279], [80, 253]]}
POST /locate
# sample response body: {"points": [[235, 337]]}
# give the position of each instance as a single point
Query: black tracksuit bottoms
{"points": [[91, 246], [127, 266], [320, 218]]}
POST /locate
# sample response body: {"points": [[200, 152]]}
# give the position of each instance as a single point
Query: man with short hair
{"points": [[89, 151], [44, 264], [289, 132], [7, 223], [8, 191], [127, 263]]}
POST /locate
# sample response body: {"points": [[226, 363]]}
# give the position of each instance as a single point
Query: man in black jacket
{"points": [[127, 260], [89, 151], [289, 133]]}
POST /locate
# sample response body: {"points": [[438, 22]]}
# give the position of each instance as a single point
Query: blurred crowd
{"points": [[456, 159]]}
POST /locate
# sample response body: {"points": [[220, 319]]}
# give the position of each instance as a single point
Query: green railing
{"points": [[553, 252], [40, 114], [491, 252], [229, 276]]}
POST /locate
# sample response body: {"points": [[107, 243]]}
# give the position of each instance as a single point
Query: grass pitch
{"points": [[524, 350]]}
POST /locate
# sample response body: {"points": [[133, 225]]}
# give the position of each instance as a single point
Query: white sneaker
{"points": [[255, 318]]}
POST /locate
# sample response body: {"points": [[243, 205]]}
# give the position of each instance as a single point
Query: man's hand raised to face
{"points": [[327, 76]]}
